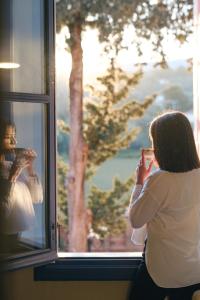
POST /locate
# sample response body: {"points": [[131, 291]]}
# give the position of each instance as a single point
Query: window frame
{"points": [[74, 268], [112, 267], [37, 257], [89, 269]]}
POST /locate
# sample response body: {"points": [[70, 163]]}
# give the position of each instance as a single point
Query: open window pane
{"points": [[23, 191], [27, 206], [22, 46]]}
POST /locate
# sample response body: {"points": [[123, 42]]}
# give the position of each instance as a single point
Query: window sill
{"points": [[96, 267]]}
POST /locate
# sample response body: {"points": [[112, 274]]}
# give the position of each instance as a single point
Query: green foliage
{"points": [[62, 137], [62, 212], [148, 20], [108, 114], [175, 98], [108, 208], [62, 126], [106, 133]]}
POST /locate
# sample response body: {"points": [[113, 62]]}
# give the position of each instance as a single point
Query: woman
{"points": [[168, 202], [19, 188]]}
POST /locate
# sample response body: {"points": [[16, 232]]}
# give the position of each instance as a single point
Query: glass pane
{"points": [[23, 51], [22, 178]]}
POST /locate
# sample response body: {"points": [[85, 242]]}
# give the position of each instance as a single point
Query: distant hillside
{"points": [[155, 80], [173, 87]]}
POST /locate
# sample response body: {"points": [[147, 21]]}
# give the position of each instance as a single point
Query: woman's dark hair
{"points": [[173, 142], [3, 125]]}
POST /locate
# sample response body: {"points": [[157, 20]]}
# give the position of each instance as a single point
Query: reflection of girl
{"points": [[19, 190], [168, 202]]}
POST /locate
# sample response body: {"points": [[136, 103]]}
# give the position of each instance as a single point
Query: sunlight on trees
{"points": [[102, 131]]}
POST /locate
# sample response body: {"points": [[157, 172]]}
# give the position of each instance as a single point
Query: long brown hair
{"points": [[173, 142]]}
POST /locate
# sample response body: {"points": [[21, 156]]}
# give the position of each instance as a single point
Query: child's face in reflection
{"points": [[9, 139]]}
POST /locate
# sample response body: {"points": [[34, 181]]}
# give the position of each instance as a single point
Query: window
{"points": [[99, 267], [27, 159], [109, 147], [27, 101]]}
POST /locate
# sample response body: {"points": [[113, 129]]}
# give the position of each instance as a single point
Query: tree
{"points": [[108, 111], [149, 21], [106, 132], [176, 98]]}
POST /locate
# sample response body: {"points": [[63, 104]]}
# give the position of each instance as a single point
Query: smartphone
{"points": [[148, 153]]}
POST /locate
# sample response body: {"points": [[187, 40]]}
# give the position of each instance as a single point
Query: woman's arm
{"points": [[30, 178], [143, 208], [142, 205]]}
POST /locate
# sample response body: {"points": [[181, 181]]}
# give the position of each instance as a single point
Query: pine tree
{"points": [[106, 132]]}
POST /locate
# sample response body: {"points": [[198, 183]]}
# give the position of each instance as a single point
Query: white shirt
{"points": [[169, 205], [16, 200]]}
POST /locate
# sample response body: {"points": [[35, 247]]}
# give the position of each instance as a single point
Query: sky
{"points": [[95, 62]]}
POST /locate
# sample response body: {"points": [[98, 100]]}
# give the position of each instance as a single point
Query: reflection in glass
{"points": [[22, 179], [22, 43]]}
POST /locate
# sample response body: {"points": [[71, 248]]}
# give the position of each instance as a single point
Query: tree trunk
{"points": [[77, 149]]}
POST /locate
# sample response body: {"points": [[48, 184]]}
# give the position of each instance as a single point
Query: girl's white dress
{"points": [[17, 199]]}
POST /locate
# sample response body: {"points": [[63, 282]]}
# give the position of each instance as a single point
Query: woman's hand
{"points": [[31, 155], [142, 171], [22, 161], [17, 168]]}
